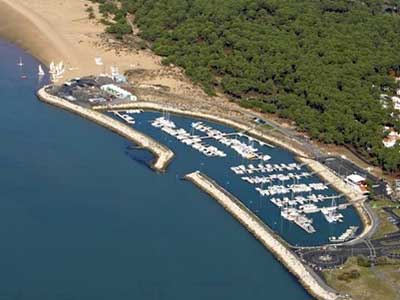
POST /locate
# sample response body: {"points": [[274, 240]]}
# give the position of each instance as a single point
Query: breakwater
{"points": [[306, 276], [162, 154], [321, 170]]}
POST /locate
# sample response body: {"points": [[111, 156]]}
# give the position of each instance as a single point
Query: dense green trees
{"points": [[321, 63]]}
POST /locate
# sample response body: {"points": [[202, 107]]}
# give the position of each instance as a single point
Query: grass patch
{"points": [[383, 203], [397, 211], [385, 227], [362, 283], [266, 126], [395, 251]]}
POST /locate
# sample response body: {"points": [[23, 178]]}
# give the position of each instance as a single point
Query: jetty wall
{"points": [[320, 170], [162, 154], [311, 281]]}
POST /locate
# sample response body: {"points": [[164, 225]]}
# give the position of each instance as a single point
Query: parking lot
{"points": [[344, 168]]}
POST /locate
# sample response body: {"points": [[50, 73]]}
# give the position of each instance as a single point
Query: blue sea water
{"points": [[81, 217]]}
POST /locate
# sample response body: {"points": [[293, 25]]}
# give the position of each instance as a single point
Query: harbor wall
{"points": [[320, 170], [311, 281], [162, 154]]}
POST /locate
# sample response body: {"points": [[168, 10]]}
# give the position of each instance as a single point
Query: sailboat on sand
{"points": [[40, 71]]}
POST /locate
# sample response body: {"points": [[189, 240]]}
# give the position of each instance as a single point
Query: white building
{"points": [[396, 102], [358, 183], [391, 139], [118, 92]]}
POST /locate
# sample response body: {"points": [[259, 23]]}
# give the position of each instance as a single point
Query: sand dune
{"points": [[60, 30]]}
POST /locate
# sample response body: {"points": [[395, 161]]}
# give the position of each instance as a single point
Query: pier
{"points": [[162, 154], [306, 276]]}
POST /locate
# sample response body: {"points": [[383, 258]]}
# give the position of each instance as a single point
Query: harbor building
{"points": [[358, 183], [118, 92], [391, 138]]}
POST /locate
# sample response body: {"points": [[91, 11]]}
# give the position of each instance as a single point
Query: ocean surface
{"points": [[83, 217]]}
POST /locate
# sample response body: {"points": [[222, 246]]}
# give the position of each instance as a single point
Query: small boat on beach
{"points": [[40, 70]]}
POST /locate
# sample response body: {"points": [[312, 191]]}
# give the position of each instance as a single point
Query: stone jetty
{"points": [[314, 285]]}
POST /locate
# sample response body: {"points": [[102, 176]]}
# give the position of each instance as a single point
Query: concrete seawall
{"points": [[312, 283], [162, 154], [321, 170]]}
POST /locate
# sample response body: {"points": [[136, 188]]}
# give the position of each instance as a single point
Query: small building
{"points": [[391, 139], [118, 92], [358, 183], [397, 185], [396, 102], [120, 78]]}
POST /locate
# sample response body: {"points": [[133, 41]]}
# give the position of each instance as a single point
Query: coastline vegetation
{"points": [[320, 63], [385, 226], [362, 281]]}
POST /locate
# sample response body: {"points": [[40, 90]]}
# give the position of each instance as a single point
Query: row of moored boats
{"points": [[265, 168], [345, 236], [126, 115], [292, 188], [247, 151], [296, 208], [187, 138]]}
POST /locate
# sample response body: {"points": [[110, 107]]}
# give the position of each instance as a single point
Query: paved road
{"points": [[314, 151], [333, 256]]}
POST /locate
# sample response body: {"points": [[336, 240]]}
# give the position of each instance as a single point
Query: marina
{"points": [[246, 150], [186, 138], [269, 181], [295, 207]]}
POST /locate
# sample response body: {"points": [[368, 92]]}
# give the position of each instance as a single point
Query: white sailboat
{"points": [[52, 68], [56, 70], [114, 71], [20, 63], [40, 71]]}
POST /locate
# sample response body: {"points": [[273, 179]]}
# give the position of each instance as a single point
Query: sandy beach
{"points": [[61, 30]]}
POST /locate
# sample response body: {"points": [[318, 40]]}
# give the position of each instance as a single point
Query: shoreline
{"points": [[308, 279], [163, 155], [44, 30], [23, 27], [322, 171]]}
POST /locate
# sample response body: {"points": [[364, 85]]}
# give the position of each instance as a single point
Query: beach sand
{"points": [[61, 30]]}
